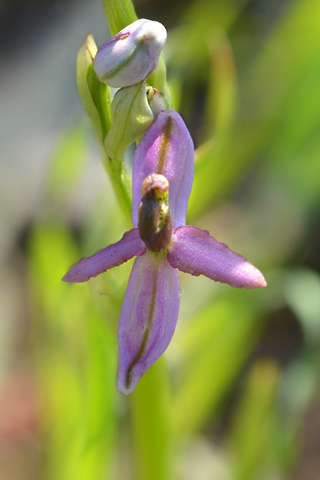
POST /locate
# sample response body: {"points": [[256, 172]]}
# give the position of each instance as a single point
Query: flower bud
{"points": [[157, 101], [131, 116], [132, 55], [155, 223]]}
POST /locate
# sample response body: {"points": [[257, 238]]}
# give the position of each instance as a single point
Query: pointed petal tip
{"points": [[122, 390], [246, 275], [194, 251], [77, 274], [148, 318], [112, 256], [127, 387], [261, 281], [255, 279]]}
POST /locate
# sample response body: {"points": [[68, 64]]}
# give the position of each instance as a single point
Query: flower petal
{"points": [[194, 251], [129, 246], [148, 317], [165, 148]]}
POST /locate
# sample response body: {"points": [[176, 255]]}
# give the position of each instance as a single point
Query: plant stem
{"points": [[119, 14], [151, 419], [121, 183]]}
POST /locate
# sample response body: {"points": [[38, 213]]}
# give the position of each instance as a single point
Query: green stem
{"points": [[150, 403], [119, 14], [121, 183]]}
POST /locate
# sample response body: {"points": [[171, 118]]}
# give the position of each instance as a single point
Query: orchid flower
{"points": [[163, 169]]}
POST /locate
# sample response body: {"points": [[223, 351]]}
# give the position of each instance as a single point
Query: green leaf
{"points": [[75, 363], [67, 161], [216, 344], [254, 429]]}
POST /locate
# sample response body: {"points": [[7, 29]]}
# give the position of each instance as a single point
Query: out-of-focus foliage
{"points": [[76, 363]]}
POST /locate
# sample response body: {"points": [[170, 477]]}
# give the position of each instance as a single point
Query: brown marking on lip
{"points": [[164, 143]]}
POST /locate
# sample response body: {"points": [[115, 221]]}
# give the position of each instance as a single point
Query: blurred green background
{"points": [[242, 398]]}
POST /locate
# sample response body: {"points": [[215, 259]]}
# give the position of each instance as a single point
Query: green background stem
{"points": [[119, 14], [151, 420]]}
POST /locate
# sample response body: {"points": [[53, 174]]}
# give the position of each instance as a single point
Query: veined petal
{"points": [[148, 317], [112, 256], [166, 148], [194, 251]]}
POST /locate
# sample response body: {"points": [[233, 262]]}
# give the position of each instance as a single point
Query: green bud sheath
{"points": [[131, 116], [94, 95]]}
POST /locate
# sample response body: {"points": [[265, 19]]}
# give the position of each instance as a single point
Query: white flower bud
{"points": [[132, 55]]}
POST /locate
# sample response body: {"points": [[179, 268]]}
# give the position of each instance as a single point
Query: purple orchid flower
{"points": [[163, 169]]}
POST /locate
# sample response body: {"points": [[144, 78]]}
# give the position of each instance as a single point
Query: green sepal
{"points": [[131, 116], [101, 96], [95, 96]]}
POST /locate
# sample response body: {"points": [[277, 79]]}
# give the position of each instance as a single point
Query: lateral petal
{"points": [[148, 317], [195, 251], [112, 256], [166, 148]]}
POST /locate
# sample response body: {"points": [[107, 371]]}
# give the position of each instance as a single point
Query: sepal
{"points": [[194, 251], [166, 149], [131, 116], [95, 96], [148, 317]]}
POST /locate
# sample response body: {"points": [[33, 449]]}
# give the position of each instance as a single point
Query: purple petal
{"points": [[194, 251], [148, 317], [129, 246], [165, 148]]}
